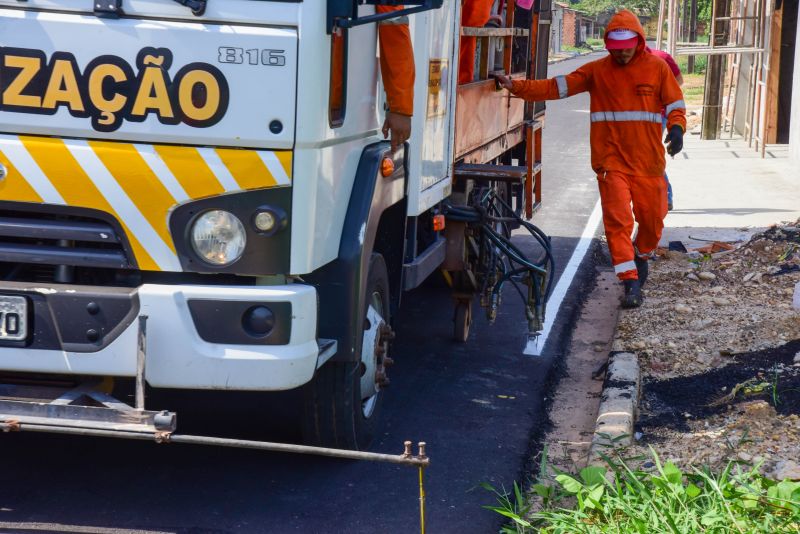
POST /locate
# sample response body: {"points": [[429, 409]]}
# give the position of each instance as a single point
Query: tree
{"points": [[598, 7]]}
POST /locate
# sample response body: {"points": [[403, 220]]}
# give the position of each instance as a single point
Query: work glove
{"points": [[675, 140]]}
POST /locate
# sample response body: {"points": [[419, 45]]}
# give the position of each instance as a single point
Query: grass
{"points": [[693, 87], [617, 498], [693, 84], [579, 49]]}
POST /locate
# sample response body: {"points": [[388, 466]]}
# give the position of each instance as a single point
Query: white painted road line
{"points": [[535, 346]]}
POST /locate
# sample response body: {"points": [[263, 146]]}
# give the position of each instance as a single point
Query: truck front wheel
{"points": [[342, 402]]}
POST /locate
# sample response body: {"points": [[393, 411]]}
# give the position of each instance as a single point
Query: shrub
{"points": [[616, 498]]}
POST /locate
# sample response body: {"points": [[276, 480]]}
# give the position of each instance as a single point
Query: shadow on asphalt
{"points": [[478, 405]]}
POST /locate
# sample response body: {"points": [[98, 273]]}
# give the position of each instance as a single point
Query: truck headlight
{"points": [[218, 237]]}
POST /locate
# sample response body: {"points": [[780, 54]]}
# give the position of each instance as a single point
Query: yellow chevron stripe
{"points": [[189, 168], [69, 178], [14, 186], [140, 184], [247, 168], [285, 157]]}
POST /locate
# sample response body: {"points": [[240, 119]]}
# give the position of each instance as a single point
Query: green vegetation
{"points": [[595, 43], [641, 7], [576, 49], [619, 499], [700, 64], [597, 7]]}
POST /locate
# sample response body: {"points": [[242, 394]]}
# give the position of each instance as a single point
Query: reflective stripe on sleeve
{"points": [[625, 267], [678, 104], [395, 21], [625, 116], [563, 91], [644, 255]]}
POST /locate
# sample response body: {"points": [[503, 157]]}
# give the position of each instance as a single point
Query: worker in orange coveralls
{"points": [[474, 14], [628, 89], [397, 71]]}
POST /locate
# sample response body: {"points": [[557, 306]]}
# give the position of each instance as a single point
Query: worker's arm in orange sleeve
{"points": [[397, 62], [397, 72], [672, 100], [553, 88]]}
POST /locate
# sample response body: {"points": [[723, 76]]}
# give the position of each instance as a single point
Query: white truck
{"points": [[181, 207]]}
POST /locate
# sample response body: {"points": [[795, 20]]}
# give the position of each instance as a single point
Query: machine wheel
{"points": [[462, 320], [342, 402]]}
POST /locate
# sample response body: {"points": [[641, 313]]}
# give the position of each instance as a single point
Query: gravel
{"points": [[718, 320]]}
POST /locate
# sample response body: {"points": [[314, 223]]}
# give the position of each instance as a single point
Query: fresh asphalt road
{"points": [[479, 406]]}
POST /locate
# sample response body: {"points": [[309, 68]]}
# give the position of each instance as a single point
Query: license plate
{"points": [[13, 318]]}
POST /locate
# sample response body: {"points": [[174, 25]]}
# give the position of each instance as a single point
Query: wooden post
{"points": [[773, 78], [660, 31], [712, 97], [672, 26], [692, 34]]}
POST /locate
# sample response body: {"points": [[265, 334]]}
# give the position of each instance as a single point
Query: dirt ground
{"points": [[719, 345]]}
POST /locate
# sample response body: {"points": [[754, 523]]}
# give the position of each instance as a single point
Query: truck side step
{"points": [[514, 174]]}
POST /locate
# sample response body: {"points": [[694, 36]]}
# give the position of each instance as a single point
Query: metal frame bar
{"points": [[406, 458], [141, 358], [344, 13], [717, 51], [471, 31]]}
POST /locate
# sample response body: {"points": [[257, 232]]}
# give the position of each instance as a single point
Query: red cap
{"points": [[620, 39]]}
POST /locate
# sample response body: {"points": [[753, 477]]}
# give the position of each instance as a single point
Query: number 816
{"points": [[252, 56]]}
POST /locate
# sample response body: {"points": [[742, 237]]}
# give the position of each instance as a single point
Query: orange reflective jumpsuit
{"points": [[627, 152], [474, 14], [397, 62]]}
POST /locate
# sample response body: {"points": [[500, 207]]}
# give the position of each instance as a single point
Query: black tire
{"points": [[334, 414], [462, 320]]}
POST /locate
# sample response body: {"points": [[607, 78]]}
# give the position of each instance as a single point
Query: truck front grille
{"points": [[61, 237]]}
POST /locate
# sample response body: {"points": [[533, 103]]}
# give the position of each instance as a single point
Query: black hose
{"points": [[500, 260]]}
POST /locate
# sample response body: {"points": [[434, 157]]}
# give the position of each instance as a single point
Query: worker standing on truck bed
{"points": [[397, 71], [628, 89]]}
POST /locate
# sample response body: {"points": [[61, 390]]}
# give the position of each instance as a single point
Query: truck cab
{"points": [[197, 195]]}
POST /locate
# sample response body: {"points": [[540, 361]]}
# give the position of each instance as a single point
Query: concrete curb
{"points": [[618, 405], [560, 59]]}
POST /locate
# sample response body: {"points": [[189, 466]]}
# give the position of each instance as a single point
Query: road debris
{"points": [[716, 345]]}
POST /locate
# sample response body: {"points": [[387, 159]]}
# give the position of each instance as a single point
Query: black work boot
{"points": [[642, 269], [633, 294]]}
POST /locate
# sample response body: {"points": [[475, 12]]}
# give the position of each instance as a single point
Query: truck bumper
{"points": [[184, 350]]}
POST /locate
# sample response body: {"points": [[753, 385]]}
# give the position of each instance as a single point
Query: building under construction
{"points": [[752, 85]]}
